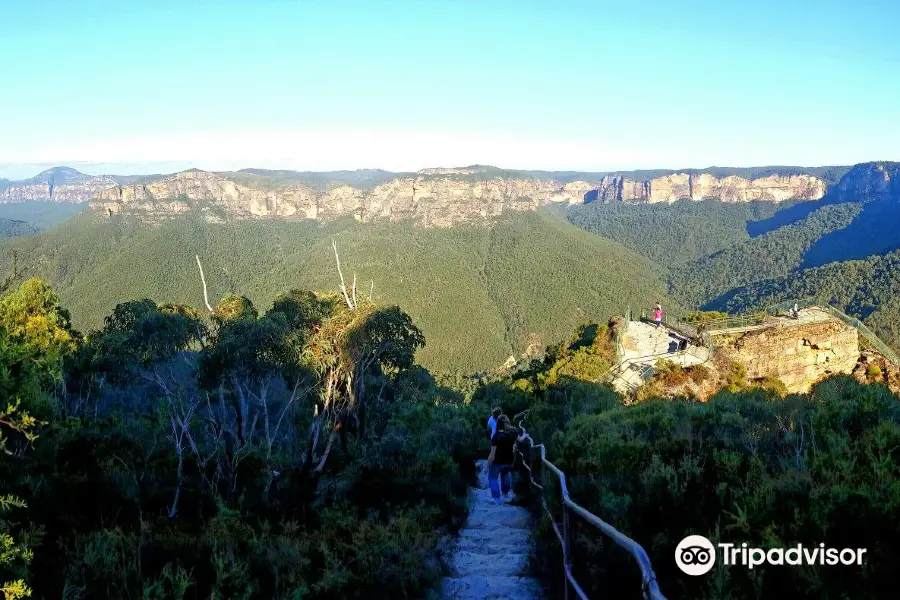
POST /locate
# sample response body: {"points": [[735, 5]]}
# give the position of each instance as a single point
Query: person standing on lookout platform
{"points": [[658, 315]]}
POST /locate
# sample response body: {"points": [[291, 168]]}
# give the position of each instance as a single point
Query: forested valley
{"points": [[480, 294]]}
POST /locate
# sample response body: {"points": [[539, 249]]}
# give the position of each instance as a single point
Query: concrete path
{"points": [[490, 561]]}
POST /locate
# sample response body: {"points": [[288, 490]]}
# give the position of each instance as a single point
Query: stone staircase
{"points": [[490, 560]]}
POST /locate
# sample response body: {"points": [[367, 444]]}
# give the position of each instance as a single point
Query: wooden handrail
{"points": [[649, 587]]}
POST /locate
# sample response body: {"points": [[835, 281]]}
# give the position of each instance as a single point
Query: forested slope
{"points": [[875, 231], [479, 293], [672, 234], [739, 257], [774, 254]]}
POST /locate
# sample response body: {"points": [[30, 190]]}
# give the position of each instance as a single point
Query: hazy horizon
{"points": [[18, 172]]}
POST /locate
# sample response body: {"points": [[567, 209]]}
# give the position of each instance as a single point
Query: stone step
{"points": [[492, 550], [481, 587], [490, 545], [506, 536], [486, 506], [498, 521], [512, 564]]}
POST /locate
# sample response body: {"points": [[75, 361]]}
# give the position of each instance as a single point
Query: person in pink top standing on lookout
{"points": [[658, 315]]}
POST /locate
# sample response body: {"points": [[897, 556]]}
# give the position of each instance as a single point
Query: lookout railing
{"points": [[649, 587]]}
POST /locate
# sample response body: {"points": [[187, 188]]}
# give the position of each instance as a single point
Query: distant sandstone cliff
{"points": [[434, 197], [669, 188], [434, 201], [439, 197]]}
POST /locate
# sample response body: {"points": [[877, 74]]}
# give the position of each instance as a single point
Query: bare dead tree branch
{"points": [[180, 415], [331, 438], [371, 289], [284, 411], [341, 273], [354, 291], [203, 281]]}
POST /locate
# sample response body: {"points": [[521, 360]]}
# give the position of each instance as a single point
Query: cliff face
{"points": [[438, 196], [797, 355], [60, 184], [669, 188], [434, 200], [867, 182], [434, 197]]}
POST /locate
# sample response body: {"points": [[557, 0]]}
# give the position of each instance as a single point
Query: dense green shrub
{"points": [[745, 467]]}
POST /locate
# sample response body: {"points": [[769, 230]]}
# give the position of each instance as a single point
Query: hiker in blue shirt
{"points": [[492, 421]]}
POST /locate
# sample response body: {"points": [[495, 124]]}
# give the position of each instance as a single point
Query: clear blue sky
{"points": [[553, 84]]}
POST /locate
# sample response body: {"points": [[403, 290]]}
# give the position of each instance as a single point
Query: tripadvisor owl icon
{"points": [[695, 555]]}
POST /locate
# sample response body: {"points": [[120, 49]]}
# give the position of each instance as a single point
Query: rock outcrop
{"points": [[868, 182], [874, 367], [703, 186], [437, 197], [798, 353]]}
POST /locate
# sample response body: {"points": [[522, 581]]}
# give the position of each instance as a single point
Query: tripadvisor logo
{"points": [[696, 555]]}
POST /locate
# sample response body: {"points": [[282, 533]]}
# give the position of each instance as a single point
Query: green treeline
{"points": [[672, 234], [713, 263], [40, 214], [867, 288], [15, 228]]}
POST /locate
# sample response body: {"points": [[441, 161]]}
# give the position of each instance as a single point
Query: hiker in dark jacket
{"points": [[500, 462]]}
